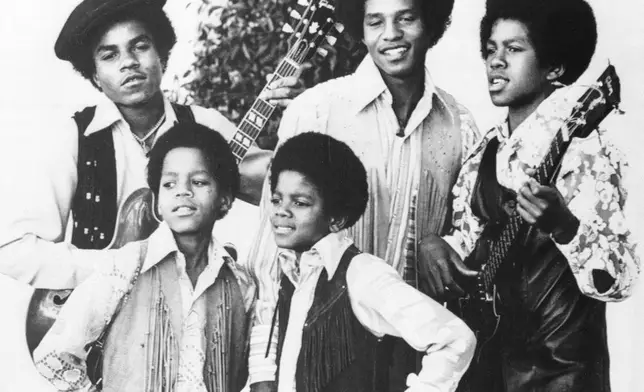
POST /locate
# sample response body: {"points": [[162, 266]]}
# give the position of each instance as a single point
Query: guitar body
{"points": [[136, 221]]}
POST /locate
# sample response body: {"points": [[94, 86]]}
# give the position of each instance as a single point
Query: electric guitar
{"points": [[481, 308], [136, 218]]}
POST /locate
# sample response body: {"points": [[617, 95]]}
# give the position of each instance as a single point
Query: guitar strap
{"points": [[94, 205]]}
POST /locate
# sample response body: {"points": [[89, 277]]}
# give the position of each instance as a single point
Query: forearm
{"points": [[44, 264]]}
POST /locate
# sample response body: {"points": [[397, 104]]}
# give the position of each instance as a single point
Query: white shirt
{"points": [[385, 305], [36, 211], [93, 303]]}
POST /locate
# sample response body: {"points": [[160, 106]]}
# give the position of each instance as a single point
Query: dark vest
{"points": [[94, 207], [551, 336], [338, 354]]}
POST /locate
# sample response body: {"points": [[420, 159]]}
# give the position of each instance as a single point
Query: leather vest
{"points": [[338, 354], [551, 337]]}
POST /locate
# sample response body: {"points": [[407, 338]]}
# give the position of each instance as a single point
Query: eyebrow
{"points": [[171, 173], [397, 13], [522, 40], [135, 40]]}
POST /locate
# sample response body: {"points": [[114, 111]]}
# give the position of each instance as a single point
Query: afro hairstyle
{"points": [[332, 167]]}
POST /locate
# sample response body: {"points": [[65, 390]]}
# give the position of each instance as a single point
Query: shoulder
{"points": [[331, 92]]}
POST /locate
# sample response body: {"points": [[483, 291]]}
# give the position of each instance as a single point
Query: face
{"points": [[515, 77], [297, 218], [395, 36], [128, 66], [189, 197]]}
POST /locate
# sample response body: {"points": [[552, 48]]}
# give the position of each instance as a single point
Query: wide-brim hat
{"points": [[89, 14]]}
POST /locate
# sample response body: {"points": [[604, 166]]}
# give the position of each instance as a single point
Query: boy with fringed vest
{"points": [[336, 303], [173, 310]]}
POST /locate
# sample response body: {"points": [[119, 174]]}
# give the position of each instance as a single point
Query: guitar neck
{"points": [[546, 173], [255, 119]]}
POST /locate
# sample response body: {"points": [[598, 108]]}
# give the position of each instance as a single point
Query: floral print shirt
{"points": [[589, 181]]}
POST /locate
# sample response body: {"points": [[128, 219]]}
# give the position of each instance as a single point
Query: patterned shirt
{"points": [[357, 110], [383, 304], [60, 357], [589, 181]]}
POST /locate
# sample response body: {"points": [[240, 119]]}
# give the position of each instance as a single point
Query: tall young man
{"points": [[551, 290], [99, 157], [411, 136]]}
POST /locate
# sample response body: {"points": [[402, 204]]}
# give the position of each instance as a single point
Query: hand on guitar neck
{"points": [[441, 270]]}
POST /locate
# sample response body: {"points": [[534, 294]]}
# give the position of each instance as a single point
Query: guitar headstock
{"points": [[313, 28], [600, 99]]}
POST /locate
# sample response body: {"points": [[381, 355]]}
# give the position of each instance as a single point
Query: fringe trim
{"points": [[330, 347], [162, 348]]}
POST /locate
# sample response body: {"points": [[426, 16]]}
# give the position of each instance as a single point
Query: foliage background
{"points": [[240, 44]]}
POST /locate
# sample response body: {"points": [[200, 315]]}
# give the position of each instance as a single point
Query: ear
{"points": [[555, 73], [226, 202], [337, 224]]}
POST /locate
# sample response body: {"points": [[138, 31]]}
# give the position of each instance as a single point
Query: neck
{"points": [[405, 93], [141, 118], [518, 113], [194, 247]]}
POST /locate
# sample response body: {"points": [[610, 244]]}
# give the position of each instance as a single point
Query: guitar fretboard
{"points": [[256, 118]]}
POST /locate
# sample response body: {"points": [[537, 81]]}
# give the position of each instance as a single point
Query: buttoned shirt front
{"points": [[384, 304]]}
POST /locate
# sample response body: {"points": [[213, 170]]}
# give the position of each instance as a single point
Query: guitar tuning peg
{"points": [[331, 40], [322, 52], [295, 15], [339, 27], [303, 3], [287, 28]]}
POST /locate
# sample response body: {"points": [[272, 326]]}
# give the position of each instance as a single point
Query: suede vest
{"points": [[551, 337], [142, 347], [94, 207], [338, 354]]}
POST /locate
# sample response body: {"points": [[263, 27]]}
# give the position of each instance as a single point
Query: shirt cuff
{"points": [[262, 367]]}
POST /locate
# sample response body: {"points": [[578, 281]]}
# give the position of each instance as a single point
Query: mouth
{"points": [[395, 52], [283, 230], [497, 83], [133, 79], [184, 210]]}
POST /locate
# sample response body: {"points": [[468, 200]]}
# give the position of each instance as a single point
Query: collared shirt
{"points": [[589, 181], [357, 109], [385, 305], [36, 212], [93, 303]]}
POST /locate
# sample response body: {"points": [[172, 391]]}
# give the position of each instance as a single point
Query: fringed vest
{"points": [[338, 354], [142, 347], [94, 206], [551, 337]]}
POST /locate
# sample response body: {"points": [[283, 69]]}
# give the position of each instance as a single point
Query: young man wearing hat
{"points": [[99, 157]]}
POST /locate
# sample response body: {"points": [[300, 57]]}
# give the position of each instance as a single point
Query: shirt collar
{"points": [[107, 114], [329, 251], [371, 86], [161, 244]]}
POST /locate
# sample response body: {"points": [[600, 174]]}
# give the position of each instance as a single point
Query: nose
{"points": [[497, 59], [281, 210], [392, 31], [129, 60], [183, 190]]}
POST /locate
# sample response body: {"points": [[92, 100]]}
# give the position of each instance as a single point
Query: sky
{"points": [[37, 87]]}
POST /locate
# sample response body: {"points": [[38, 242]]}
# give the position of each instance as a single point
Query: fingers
{"points": [[460, 266], [282, 91]]}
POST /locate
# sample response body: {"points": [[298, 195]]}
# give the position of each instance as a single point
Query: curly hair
{"points": [[155, 21], [435, 14], [563, 32], [332, 167], [219, 158]]}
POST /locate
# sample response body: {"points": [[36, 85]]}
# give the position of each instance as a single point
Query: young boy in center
{"points": [[175, 308], [336, 303]]}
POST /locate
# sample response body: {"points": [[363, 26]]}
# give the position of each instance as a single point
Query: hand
{"points": [[264, 386], [438, 265], [282, 91], [544, 207]]}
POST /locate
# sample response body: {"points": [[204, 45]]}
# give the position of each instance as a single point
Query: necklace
{"points": [[143, 141]]}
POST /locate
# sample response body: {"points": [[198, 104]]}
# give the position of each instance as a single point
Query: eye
{"points": [[200, 182], [107, 56], [515, 49], [373, 22], [408, 18], [490, 50], [142, 46], [275, 200], [301, 203], [167, 184]]}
